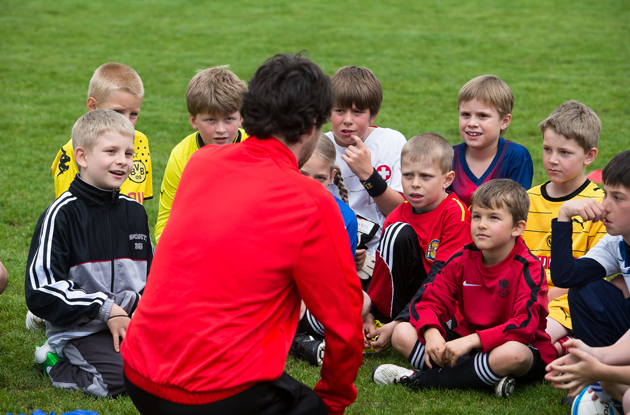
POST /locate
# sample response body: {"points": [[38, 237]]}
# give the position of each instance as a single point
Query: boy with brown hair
{"points": [[570, 137], [213, 98], [501, 291], [114, 86], [369, 156], [485, 111], [89, 259], [419, 237]]}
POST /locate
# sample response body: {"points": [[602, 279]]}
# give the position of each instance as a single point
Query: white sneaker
{"points": [[33, 322], [388, 374], [505, 387]]}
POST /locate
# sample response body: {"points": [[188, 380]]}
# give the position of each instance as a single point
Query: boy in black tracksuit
{"points": [[88, 262]]}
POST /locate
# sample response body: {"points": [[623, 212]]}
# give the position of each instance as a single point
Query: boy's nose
{"points": [[221, 127]]}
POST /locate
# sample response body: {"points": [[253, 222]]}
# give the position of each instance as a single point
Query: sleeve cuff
{"points": [[106, 309], [491, 338]]}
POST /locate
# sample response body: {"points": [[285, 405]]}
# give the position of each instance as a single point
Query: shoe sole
{"points": [[505, 387]]}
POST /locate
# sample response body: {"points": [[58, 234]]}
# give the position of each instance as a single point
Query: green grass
{"points": [[422, 52]]}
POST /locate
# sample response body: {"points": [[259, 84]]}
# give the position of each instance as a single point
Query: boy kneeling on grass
{"points": [[501, 291], [89, 260]]}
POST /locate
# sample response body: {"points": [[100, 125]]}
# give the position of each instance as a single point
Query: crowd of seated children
{"points": [[213, 98], [500, 290], [86, 287], [485, 111], [570, 137], [419, 236]]}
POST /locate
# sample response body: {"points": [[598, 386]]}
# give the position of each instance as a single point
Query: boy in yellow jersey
{"points": [[213, 98], [570, 137], [117, 87]]}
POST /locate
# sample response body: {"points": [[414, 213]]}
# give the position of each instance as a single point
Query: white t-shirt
{"points": [[385, 146], [610, 252]]}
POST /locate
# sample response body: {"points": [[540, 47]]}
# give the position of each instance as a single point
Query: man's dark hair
{"points": [[287, 96], [617, 172]]}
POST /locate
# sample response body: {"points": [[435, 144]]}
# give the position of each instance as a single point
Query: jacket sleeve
{"points": [[326, 278], [439, 301], [521, 168], [50, 294], [528, 310], [172, 176]]}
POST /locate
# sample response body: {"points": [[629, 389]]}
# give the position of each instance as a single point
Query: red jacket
{"points": [[506, 302], [248, 236]]}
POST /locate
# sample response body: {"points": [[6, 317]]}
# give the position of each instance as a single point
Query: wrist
{"points": [[374, 184], [563, 216]]}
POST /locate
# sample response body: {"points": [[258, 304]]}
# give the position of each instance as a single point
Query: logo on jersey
{"points": [[549, 241], [139, 172], [579, 223], [63, 162], [432, 249], [384, 171], [504, 288]]}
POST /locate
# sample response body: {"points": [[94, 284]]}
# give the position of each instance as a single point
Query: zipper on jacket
{"points": [[111, 246]]}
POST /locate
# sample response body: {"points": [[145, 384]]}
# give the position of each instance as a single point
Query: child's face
{"points": [[317, 169], [480, 125], [217, 129], [493, 228], [424, 184], [347, 122], [122, 102], [617, 204], [109, 162], [564, 159]]}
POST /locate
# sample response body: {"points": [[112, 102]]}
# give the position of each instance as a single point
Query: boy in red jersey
{"points": [[420, 235], [501, 291], [218, 340]]}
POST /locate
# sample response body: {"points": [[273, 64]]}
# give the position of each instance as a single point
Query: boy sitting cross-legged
{"points": [[501, 292], [213, 98], [570, 137], [420, 235], [89, 260]]}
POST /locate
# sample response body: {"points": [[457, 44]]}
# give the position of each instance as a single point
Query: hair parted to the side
{"points": [[576, 121], [326, 152], [215, 91], [90, 126], [617, 171], [503, 194], [357, 86], [288, 95], [429, 148], [112, 77], [490, 90]]}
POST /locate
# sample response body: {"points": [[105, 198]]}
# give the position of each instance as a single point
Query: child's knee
{"points": [[367, 302], [404, 338], [511, 358]]}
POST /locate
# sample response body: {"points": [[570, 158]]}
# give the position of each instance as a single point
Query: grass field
{"points": [[422, 52]]}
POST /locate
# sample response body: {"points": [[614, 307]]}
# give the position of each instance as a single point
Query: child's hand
{"points": [[359, 159], [457, 348], [117, 323], [575, 371], [384, 334], [434, 348], [359, 258], [587, 209]]}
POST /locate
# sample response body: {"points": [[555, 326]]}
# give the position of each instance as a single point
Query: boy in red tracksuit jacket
{"points": [[247, 239], [501, 291]]}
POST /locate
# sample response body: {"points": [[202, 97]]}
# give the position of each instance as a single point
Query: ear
{"points": [[448, 179], [91, 104], [193, 122], [333, 173], [519, 228], [506, 121], [80, 156], [590, 156], [373, 118]]}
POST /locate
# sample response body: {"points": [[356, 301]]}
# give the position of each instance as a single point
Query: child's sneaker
{"points": [[45, 357], [370, 350], [33, 322], [308, 348], [505, 387], [389, 374]]}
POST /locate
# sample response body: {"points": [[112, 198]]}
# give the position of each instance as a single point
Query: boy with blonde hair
{"points": [[213, 98], [570, 137], [89, 260], [114, 86], [369, 156], [419, 237], [485, 111], [501, 291]]}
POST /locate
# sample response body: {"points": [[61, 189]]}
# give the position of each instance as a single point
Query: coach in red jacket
{"points": [[248, 237]]}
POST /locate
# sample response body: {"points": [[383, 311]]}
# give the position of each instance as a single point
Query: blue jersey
{"points": [[350, 221], [512, 161]]}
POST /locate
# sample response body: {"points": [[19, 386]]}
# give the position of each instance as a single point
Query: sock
{"points": [[308, 324], [470, 372], [416, 357]]}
